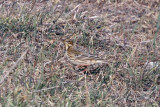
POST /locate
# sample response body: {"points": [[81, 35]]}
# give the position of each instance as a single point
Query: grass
{"points": [[34, 70]]}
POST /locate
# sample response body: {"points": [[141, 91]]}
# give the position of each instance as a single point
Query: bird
{"points": [[79, 58]]}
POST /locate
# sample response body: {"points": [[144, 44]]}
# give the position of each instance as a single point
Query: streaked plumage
{"points": [[79, 58]]}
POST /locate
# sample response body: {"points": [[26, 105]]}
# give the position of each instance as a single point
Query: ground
{"points": [[34, 70]]}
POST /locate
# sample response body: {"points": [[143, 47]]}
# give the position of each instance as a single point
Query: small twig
{"points": [[7, 72], [73, 10], [46, 89]]}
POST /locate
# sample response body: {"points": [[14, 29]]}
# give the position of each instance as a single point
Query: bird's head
{"points": [[68, 43]]}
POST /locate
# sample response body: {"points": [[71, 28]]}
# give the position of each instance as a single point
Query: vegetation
{"points": [[34, 70]]}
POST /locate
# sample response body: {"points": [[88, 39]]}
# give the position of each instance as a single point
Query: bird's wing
{"points": [[91, 59], [73, 52]]}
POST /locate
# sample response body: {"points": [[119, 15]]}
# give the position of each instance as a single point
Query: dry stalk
{"points": [[7, 72]]}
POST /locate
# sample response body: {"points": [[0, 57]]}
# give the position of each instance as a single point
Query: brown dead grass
{"points": [[124, 32]]}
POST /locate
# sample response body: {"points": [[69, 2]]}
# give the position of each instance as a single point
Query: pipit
{"points": [[79, 58]]}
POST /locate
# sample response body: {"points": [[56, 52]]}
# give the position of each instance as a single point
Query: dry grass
{"points": [[35, 72]]}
